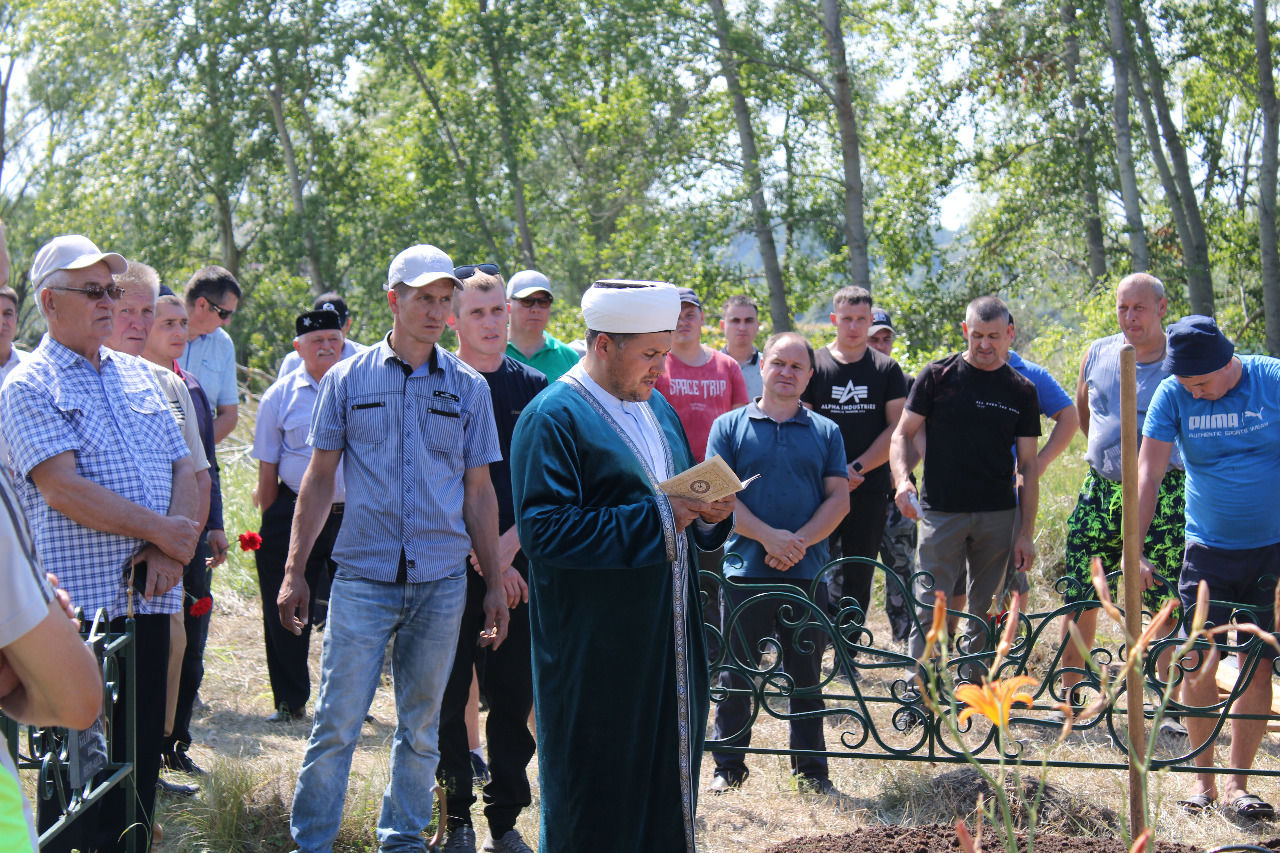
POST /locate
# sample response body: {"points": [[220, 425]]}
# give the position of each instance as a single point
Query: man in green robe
{"points": [[619, 657]]}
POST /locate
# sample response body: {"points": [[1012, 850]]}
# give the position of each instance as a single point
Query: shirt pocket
{"points": [[442, 425], [368, 419], [87, 422], [294, 430]]}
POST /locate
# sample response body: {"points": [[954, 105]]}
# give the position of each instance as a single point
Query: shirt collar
{"points": [[386, 353], [756, 413], [1015, 360], [754, 359], [63, 356]]}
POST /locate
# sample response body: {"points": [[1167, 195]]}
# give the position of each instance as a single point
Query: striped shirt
{"points": [[408, 436], [118, 425]]}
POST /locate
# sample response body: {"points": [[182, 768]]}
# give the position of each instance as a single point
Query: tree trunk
{"points": [[1171, 193], [1195, 252], [296, 190], [227, 236], [1093, 236], [443, 122], [778, 311], [493, 44], [1267, 176], [855, 228], [1124, 141]]}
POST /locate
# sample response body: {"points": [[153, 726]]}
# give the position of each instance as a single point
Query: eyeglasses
{"points": [[222, 313], [96, 291], [535, 301], [465, 272]]}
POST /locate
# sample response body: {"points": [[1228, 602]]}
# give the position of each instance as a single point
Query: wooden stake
{"points": [[1132, 581]]}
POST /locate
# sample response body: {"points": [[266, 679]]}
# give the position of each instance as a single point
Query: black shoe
{"points": [[728, 780], [283, 714], [176, 789], [177, 758]]}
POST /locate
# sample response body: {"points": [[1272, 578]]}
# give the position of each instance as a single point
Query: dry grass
{"points": [[254, 764]]}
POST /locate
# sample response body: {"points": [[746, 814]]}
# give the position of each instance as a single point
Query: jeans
{"points": [[364, 616]]}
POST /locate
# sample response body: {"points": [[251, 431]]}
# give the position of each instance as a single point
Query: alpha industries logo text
{"points": [[845, 393]]}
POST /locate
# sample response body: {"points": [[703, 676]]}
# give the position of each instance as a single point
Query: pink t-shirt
{"points": [[701, 394]]}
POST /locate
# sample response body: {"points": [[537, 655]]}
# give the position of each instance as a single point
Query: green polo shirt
{"points": [[554, 359]]}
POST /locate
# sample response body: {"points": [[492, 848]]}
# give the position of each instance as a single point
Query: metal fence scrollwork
{"points": [[74, 770], [867, 696]]}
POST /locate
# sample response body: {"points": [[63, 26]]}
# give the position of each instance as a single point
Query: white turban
{"points": [[631, 307]]}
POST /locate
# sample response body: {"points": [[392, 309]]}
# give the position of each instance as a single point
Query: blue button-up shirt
{"points": [[124, 438], [408, 437], [284, 422], [211, 358]]}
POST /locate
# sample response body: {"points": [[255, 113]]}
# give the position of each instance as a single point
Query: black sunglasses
{"points": [[465, 272], [222, 313], [96, 291]]}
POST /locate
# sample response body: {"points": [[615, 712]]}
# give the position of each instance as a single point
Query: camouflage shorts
{"points": [[1093, 530]]}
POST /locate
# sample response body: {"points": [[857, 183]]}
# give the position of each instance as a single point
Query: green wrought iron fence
{"points": [[71, 776], [878, 712]]}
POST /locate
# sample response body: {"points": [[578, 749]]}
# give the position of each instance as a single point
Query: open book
{"points": [[707, 481]]}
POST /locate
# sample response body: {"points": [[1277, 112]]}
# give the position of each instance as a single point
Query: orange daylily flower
{"points": [[939, 623], [994, 700]]}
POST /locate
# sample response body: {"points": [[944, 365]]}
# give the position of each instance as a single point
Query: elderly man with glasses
{"points": [[212, 296], [109, 488], [529, 298]]}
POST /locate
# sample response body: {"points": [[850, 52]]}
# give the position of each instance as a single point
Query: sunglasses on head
{"points": [[96, 291], [222, 313], [465, 272]]}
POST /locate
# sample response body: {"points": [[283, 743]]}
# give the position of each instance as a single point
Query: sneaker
{"points": [[461, 839], [509, 842], [177, 758], [479, 769], [285, 714], [727, 780]]}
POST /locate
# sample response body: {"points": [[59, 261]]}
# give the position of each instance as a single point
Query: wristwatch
{"points": [[856, 466]]}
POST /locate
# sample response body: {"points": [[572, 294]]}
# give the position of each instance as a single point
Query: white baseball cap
{"points": [[71, 252], [418, 266], [526, 283]]}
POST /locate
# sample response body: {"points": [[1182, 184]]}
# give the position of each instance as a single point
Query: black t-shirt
{"points": [[973, 416], [854, 396], [511, 386]]}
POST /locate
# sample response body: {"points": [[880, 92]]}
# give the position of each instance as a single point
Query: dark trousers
{"points": [[197, 583], [286, 651], [750, 626], [858, 535], [103, 828], [506, 682]]}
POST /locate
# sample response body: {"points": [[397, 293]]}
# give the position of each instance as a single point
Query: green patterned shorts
{"points": [[1093, 530]]}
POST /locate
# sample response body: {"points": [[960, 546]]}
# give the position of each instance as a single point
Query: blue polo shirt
{"points": [[1231, 449], [1053, 398], [407, 438], [793, 458]]}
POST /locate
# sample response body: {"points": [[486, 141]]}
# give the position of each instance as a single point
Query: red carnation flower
{"points": [[250, 541], [201, 606]]}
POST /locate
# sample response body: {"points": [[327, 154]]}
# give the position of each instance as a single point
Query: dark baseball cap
{"points": [[880, 319]]}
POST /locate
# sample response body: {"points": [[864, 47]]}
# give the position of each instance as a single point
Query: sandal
{"points": [[1196, 804], [1251, 807]]}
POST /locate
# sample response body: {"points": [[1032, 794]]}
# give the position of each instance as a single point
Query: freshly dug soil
{"points": [[942, 839]]}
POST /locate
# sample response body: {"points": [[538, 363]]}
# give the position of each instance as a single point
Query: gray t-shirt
{"points": [[1102, 375], [24, 603]]}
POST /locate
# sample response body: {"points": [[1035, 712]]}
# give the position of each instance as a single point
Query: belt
{"points": [[335, 509]]}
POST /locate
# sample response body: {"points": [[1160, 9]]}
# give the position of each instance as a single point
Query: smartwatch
{"points": [[856, 466]]}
